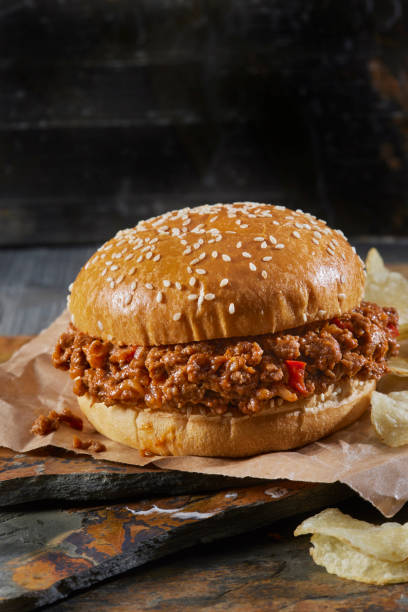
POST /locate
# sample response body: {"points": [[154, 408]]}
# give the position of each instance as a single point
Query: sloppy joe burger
{"points": [[224, 330]]}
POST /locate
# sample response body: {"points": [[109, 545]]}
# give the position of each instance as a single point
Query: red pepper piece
{"points": [[393, 330], [130, 355], [296, 370], [342, 324]]}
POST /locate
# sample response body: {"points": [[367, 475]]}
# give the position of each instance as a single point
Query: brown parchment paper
{"points": [[30, 385]]}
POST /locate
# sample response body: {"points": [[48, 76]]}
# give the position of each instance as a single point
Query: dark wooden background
{"points": [[113, 110]]}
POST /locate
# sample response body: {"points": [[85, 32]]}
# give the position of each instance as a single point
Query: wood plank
{"points": [[263, 571], [70, 550]]}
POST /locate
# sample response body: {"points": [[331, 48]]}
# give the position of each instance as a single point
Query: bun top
{"points": [[216, 272]]}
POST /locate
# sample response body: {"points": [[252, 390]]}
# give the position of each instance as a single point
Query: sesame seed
{"points": [[115, 267], [192, 281], [267, 258], [299, 210], [214, 254], [70, 287], [244, 226], [201, 271], [201, 257], [322, 313], [304, 317], [273, 239], [226, 257], [246, 254], [275, 222], [209, 296], [218, 237], [231, 308], [148, 286], [120, 278], [298, 225], [128, 256], [177, 316], [189, 270], [194, 261], [100, 325], [342, 279], [330, 251], [178, 285], [192, 296], [149, 255], [139, 259], [156, 257], [252, 266], [341, 296], [187, 251], [296, 234], [353, 249], [280, 246], [112, 284], [132, 270], [166, 283], [128, 299], [133, 286], [315, 241], [278, 207], [264, 274], [264, 245], [259, 239], [159, 297], [224, 282]]}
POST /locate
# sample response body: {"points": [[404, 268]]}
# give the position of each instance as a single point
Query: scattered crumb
{"points": [[43, 425], [92, 445]]}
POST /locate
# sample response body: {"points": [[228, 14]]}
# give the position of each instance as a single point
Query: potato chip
{"points": [[398, 366], [387, 288], [347, 562], [389, 416], [387, 542]]}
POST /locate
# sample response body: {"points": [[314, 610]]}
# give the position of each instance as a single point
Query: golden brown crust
{"points": [[165, 433], [122, 293]]}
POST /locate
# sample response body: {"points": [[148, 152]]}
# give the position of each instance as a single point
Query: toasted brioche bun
{"points": [[216, 272], [275, 429]]}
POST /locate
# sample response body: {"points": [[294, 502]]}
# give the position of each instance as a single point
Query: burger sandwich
{"points": [[224, 330]]}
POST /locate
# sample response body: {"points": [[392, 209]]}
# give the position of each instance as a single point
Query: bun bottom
{"points": [[280, 428]]}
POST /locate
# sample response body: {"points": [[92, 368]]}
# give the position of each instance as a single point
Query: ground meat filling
{"points": [[236, 375]]}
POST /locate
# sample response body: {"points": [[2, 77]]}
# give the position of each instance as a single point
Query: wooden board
{"points": [[53, 474], [264, 571], [46, 555]]}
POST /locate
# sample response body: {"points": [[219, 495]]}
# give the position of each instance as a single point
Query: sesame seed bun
{"points": [[286, 427], [216, 272]]}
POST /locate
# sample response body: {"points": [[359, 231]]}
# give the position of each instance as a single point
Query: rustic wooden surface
{"points": [[47, 554], [268, 570], [111, 111]]}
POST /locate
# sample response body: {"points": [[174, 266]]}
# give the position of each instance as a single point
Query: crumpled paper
{"points": [[30, 385]]}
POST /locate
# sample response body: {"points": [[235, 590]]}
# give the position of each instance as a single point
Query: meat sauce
{"points": [[236, 374]]}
